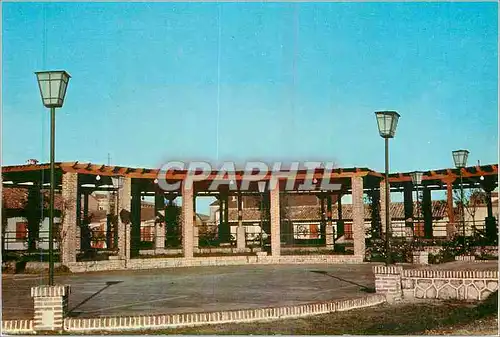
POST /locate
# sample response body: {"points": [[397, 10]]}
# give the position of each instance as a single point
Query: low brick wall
{"points": [[440, 284], [34, 266], [154, 263], [421, 257], [18, 327], [465, 258], [83, 267]]}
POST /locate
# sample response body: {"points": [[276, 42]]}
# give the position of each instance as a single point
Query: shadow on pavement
{"points": [[72, 312], [363, 287]]}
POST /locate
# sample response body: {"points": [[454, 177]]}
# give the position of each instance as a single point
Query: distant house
{"points": [[15, 222], [304, 213], [15, 230]]}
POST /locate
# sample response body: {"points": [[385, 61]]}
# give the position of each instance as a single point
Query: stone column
{"points": [[275, 221], [124, 204], [187, 220], [68, 228], [451, 228], [329, 239], [358, 216], [160, 223], [240, 231], [51, 306]]}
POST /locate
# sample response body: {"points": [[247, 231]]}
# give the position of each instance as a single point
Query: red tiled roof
{"points": [[16, 197], [314, 212]]}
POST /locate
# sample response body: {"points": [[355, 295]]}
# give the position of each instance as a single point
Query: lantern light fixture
{"points": [[416, 177], [387, 123], [262, 186], [460, 158], [53, 85]]}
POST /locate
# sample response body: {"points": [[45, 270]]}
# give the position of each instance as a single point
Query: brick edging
{"points": [[17, 326], [458, 274], [147, 322]]}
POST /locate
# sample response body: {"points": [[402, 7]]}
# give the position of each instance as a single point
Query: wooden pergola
{"points": [[75, 180]]}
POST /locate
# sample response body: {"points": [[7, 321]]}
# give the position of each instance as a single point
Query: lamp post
{"points": [[460, 159], [387, 122], [416, 179], [53, 85]]}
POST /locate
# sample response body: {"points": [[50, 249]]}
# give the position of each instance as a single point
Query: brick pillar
{"points": [[78, 220], [329, 224], [51, 306], [275, 221], [124, 205], [388, 282], [187, 220], [382, 206], [420, 257], [358, 216], [240, 231], [68, 228]]}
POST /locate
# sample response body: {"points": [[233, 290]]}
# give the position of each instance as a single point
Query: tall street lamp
{"points": [[387, 122], [53, 85], [460, 159], [416, 179]]}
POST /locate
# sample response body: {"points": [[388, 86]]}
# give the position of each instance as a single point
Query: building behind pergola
{"points": [[76, 181]]}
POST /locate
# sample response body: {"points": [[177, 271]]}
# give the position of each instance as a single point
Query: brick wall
{"points": [[51, 306], [275, 221], [388, 281], [187, 221], [124, 195], [358, 216], [440, 284], [420, 257], [87, 266], [395, 283], [68, 228], [18, 326]]}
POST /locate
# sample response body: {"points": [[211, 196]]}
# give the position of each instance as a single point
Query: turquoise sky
{"points": [[153, 82]]}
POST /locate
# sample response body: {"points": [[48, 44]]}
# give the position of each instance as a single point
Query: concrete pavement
{"points": [[193, 289]]}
